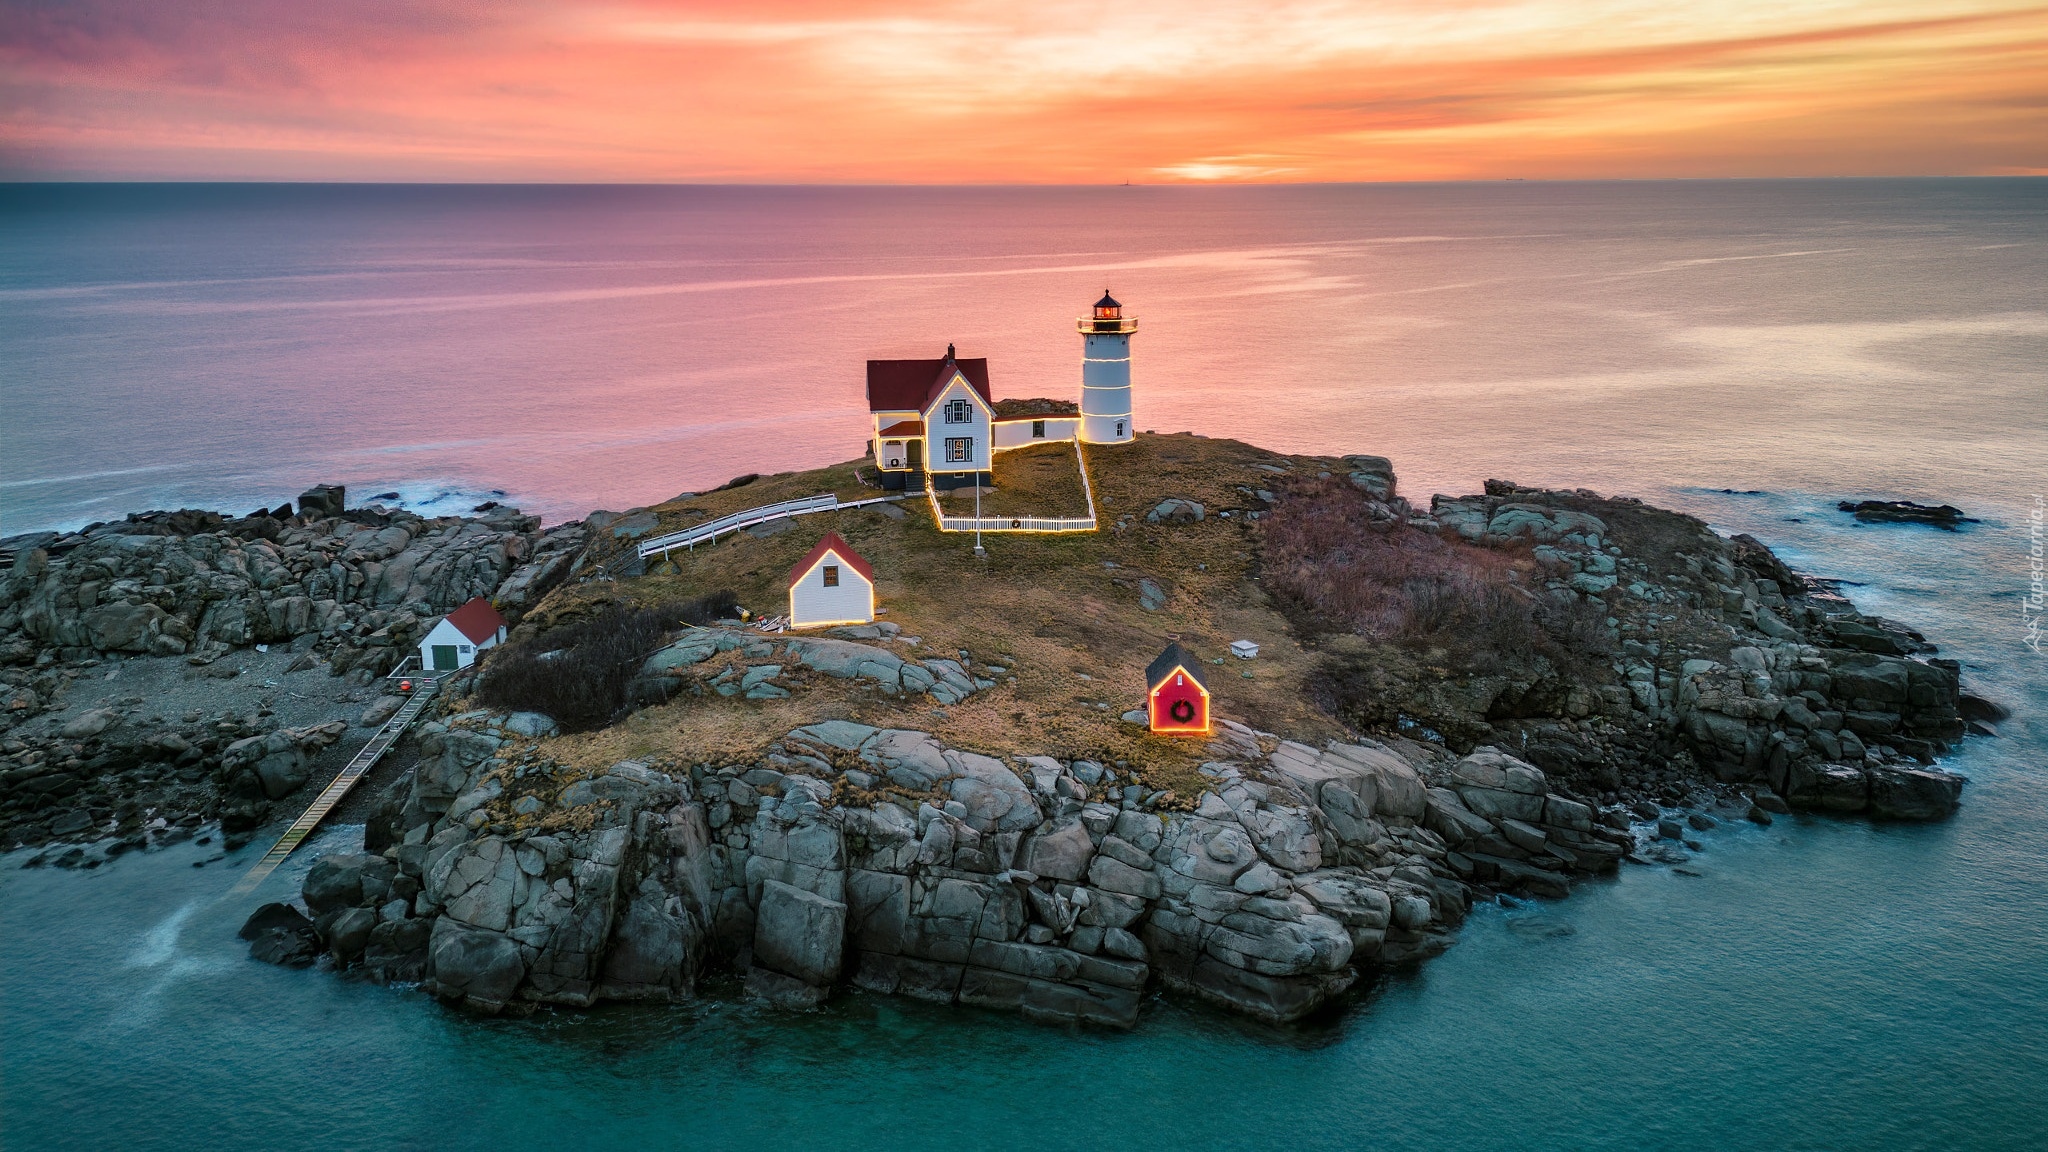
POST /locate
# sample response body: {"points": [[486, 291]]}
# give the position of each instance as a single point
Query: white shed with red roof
{"points": [[831, 585], [453, 643]]}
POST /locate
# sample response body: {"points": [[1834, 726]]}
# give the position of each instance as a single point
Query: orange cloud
{"points": [[966, 92]]}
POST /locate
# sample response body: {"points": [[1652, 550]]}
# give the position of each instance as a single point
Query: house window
{"points": [[960, 450], [831, 575], [959, 412], [1038, 429]]}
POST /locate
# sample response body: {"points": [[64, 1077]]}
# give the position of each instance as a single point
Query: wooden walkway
{"points": [[422, 692]]}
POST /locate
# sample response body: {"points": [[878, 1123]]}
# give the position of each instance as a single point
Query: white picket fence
{"points": [[1018, 523], [711, 530]]}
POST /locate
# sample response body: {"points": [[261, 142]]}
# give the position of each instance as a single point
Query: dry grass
{"points": [[1053, 608], [1041, 480]]}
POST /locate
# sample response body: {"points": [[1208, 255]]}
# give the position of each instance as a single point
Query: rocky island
{"points": [[1505, 692]]}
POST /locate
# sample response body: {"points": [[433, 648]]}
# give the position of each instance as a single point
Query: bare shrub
{"points": [[1336, 562], [578, 673]]}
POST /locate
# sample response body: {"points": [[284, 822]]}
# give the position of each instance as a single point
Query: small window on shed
{"points": [[1038, 429], [831, 575]]}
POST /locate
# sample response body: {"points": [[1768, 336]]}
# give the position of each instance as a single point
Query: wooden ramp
{"points": [[423, 691]]}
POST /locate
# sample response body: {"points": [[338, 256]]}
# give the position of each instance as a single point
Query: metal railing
{"points": [[1090, 326], [710, 531]]}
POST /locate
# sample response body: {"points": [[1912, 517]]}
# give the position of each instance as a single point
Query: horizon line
{"points": [[32, 182]]}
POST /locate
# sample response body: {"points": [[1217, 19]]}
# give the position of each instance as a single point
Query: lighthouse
{"points": [[1106, 373]]}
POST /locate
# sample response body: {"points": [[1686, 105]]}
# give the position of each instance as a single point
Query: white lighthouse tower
{"points": [[1106, 373]]}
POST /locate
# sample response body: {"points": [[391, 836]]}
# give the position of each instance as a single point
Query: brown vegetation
{"points": [[577, 673], [1336, 567]]}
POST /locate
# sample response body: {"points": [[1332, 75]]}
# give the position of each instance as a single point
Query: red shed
{"points": [[1177, 701]]}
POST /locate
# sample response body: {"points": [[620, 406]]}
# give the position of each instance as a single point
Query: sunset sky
{"points": [[956, 91]]}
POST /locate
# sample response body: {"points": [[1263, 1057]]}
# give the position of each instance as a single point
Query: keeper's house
{"points": [[453, 643], [1177, 701], [937, 417], [831, 585]]}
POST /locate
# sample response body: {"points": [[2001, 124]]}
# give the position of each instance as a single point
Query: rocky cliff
{"points": [[1717, 664], [348, 592], [851, 856]]}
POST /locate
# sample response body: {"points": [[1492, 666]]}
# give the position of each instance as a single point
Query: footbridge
{"points": [[422, 691]]}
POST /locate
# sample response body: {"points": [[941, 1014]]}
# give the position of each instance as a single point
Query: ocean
{"points": [[1750, 352]]}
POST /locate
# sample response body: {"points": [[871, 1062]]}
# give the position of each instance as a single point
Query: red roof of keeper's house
{"points": [[477, 620], [834, 543], [904, 428], [909, 385]]}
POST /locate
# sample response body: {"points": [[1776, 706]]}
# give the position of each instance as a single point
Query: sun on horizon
{"points": [[960, 92]]}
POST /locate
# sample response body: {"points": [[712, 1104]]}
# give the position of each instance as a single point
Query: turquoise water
{"points": [[1821, 984]]}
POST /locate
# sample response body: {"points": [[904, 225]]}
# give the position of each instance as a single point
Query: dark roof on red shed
{"points": [[477, 620], [909, 385], [1175, 656], [832, 542]]}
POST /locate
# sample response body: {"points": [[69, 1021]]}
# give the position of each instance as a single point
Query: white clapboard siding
{"points": [[811, 603]]}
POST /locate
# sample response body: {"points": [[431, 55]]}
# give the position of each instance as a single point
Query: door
{"points": [[914, 452], [444, 658]]}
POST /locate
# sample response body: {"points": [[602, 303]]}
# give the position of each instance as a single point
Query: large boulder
{"points": [[346, 880], [349, 934], [479, 968], [280, 934], [1274, 1000], [1374, 474], [123, 627], [1912, 793], [996, 800], [799, 934], [322, 501], [1497, 786], [275, 759], [1059, 850], [1177, 510], [652, 949]]}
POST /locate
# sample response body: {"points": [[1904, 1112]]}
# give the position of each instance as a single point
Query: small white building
{"points": [[453, 643], [831, 585]]}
